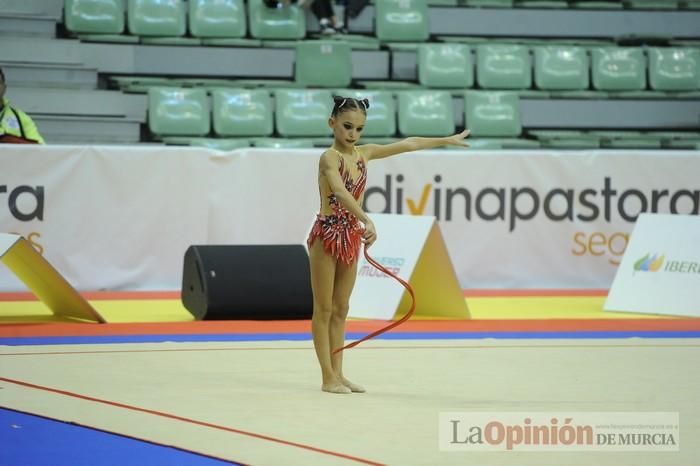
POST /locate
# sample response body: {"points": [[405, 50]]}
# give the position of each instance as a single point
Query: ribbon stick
{"points": [[408, 315]]}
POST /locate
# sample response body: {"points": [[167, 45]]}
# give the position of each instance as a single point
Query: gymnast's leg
{"points": [[342, 288], [323, 268]]}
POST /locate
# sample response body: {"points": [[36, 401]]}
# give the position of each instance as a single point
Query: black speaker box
{"points": [[267, 282]]}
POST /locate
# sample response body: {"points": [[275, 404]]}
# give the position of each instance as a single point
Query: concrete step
{"points": [[64, 102], [35, 50], [87, 130], [49, 76], [50, 8], [27, 25]]}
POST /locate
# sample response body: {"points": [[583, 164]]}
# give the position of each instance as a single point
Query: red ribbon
{"points": [[408, 315]]}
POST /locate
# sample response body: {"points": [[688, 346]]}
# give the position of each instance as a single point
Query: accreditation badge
{"points": [[12, 122]]}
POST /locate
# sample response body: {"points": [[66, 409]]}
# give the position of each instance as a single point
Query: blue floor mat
{"points": [[29, 440]]}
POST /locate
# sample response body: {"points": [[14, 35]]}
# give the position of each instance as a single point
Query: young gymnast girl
{"points": [[342, 227]]}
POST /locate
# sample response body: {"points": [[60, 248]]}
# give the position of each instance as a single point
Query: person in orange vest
{"points": [[16, 127]]}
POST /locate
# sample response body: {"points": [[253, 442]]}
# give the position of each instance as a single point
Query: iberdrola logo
{"points": [[649, 264]]}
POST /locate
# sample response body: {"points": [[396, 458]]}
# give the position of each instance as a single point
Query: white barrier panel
{"points": [[660, 272], [412, 248], [122, 217]]}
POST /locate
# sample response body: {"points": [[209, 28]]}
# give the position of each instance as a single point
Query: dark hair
{"points": [[2, 75], [345, 104]]}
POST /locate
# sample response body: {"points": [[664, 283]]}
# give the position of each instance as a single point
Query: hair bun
{"points": [[365, 101], [338, 99]]}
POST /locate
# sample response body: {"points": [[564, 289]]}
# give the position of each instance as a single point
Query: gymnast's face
{"points": [[347, 127]]}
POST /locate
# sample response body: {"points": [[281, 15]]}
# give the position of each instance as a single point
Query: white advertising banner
{"points": [[122, 217], [105, 217], [536, 218], [660, 271]]}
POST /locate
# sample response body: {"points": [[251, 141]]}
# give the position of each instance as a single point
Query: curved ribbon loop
{"points": [[408, 315]]}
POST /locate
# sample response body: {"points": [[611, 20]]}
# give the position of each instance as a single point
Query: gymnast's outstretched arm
{"points": [[380, 151]]}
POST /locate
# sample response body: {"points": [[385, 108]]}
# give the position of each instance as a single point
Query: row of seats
{"points": [[582, 140], [599, 73], [509, 66], [395, 20], [242, 115], [211, 19], [214, 20], [305, 112]]}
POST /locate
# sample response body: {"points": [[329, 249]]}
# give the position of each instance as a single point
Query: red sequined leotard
{"points": [[340, 230]]}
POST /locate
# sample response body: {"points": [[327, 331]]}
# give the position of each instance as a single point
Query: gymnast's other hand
{"points": [[370, 234], [458, 139]]}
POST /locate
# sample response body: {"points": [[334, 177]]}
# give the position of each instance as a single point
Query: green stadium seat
{"points": [[303, 112], [463, 39], [109, 38], [355, 41], [157, 18], [402, 46], [571, 143], [426, 113], [503, 66], [651, 4], [636, 95], [618, 68], [543, 134], [565, 139], [389, 85], [596, 5], [174, 111], [217, 18], [684, 43], [631, 143], [276, 23], [493, 114], [615, 134], [561, 68], [283, 143], [268, 83], [691, 5], [94, 16], [445, 66], [123, 82], [242, 112], [489, 3], [381, 115], [669, 135], [542, 4], [692, 144], [402, 20], [674, 69], [443, 2], [323, 63]]}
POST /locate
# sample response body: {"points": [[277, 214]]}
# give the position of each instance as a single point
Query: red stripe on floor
{"points": [[190, 421], [15, 330]]}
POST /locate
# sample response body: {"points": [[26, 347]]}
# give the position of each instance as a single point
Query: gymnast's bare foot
{"points": [[352, 386], [335, 387]]}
